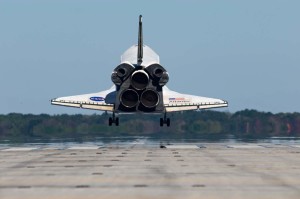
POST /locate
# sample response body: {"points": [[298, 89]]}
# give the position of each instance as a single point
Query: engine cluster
{"points": [[139, 88]]}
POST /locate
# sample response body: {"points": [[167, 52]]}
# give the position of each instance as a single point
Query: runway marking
{"points": [[51, 148], [297, 146], [181, 146], [84, 147], [250, 146], [20, 149]]}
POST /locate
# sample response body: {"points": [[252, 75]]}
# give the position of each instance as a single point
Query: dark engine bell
{"points": [[121, 72], [139, 80], [158, 72], [129, 98], [116, 79], [164, 79], [150, 98]]}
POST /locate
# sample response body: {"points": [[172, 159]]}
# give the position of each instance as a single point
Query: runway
{"points": [[137, 170]]}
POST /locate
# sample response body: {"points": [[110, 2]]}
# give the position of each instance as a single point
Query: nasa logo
{"points": [[97, 99]]}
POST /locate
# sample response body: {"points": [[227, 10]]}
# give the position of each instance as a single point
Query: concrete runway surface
{"points": [[206, 170]]}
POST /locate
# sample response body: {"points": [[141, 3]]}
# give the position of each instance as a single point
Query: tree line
{"points": [[191, 123]]}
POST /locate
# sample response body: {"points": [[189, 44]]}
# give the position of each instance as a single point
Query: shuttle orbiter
{"points": [[139, 87]]}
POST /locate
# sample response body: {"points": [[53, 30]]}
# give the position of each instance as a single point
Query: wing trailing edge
{"points": [[189, 107], [84, 105]]}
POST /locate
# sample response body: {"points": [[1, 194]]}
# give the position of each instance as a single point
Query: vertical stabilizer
{"points": [[140, 42]]}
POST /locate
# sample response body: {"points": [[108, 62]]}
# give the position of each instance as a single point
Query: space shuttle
{"points": [[139, 87]]}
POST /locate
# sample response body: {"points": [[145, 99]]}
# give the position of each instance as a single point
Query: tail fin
{"points": [[140, 42]]}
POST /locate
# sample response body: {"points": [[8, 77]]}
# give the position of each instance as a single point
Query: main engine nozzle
{"points": [[150, 98], [129, 98], [139, 79]]}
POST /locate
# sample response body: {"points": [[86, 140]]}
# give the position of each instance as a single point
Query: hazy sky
{"points": [[247, 52]]}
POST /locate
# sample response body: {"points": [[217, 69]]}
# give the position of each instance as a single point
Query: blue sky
{"points": [[247, 52]]}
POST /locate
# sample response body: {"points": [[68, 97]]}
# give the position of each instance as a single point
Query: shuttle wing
{"points": [[174, 101], [103, 101]]}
